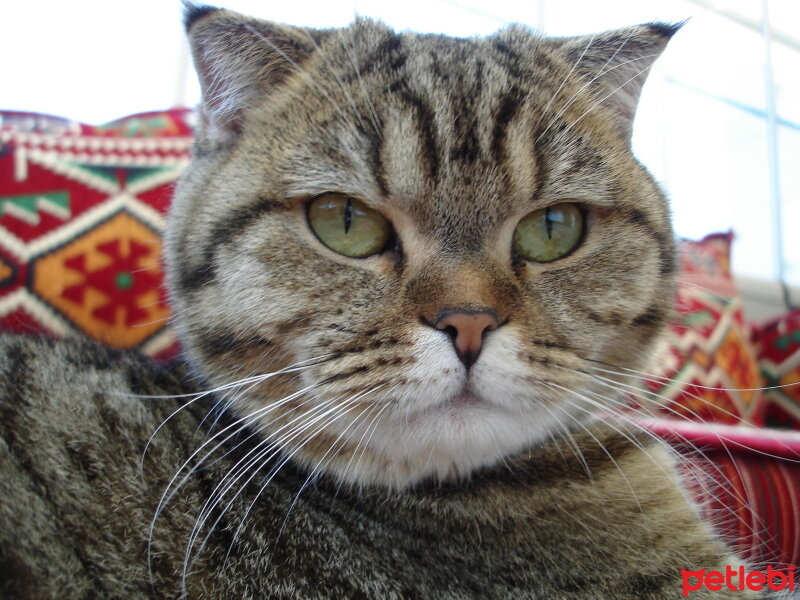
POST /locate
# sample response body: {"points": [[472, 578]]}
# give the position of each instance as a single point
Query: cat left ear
{"points": [[239, 60], [616, 64]]}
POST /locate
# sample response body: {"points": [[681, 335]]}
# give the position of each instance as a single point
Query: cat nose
{"points": [[466, 330]]}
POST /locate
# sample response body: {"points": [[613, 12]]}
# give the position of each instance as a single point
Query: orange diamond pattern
{"points": [[107, 282]]}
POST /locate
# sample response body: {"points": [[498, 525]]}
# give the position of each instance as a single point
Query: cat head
{"points": [[405, 256]]}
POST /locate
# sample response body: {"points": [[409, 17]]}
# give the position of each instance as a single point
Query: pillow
{"points": [[705, 367], [81, 215], [777, 344]]}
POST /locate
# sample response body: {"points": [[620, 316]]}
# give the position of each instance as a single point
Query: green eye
{"points": [[550, 233], [348, 226]]}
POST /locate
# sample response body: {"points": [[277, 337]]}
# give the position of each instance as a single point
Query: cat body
{"points": [[79, 497], [412, 275]]}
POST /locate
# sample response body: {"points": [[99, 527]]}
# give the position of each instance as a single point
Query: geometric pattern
{"points": [[778, 346], [28, 208], [106, 282], [706, 368], [82, 211]]}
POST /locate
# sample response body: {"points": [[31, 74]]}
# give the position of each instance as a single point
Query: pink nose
{"points": [[467, 330]]}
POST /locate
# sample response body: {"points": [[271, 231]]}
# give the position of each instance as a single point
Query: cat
{"points": [[399, 264]]}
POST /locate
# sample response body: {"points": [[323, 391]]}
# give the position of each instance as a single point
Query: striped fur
{"points": [[342, 449], [78, 499], [454, 141]]}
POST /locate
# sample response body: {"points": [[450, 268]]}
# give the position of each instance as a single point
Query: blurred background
{"points": [[718, 125]]}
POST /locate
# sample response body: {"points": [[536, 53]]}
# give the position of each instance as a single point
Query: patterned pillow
{"points": [[706, 367], [777, 343], [81, 214]]}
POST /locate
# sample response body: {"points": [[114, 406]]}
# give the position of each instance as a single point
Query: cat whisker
{"points": [[322, 463], [661, 379], [261, 428], [264, 452], [301, 70], [598, 403], [332, 71], [370, 429], [567, 397], [373, 115], [615, 386], [255, 380], [154, 321], [689, 464], [275, 448], [650, 397], [567, 436], [564, 82], [237, 426], [271, 441], [641, 394], [346, 407]]}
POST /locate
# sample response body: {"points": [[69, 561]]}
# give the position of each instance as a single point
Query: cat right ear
{"points": [[238, 61], [616, 63]]}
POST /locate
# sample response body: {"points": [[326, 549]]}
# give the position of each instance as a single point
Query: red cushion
{"points": [[81, 215], [777, 343], [747, 480], [706, 367]]}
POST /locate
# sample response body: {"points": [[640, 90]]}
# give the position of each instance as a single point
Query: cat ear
{"points": [[616, 64], [238, 61]]}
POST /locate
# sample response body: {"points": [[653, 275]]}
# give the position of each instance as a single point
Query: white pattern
{"points": [[22, 298]]}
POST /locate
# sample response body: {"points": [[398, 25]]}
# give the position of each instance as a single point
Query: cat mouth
{"points": [[464, 400], [462, 403]]}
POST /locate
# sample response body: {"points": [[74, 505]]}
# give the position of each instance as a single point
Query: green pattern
{"points": [[27, 207]]}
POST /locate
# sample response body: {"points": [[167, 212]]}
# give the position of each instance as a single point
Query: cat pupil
{"points": [[348, 215], [548, 223]]}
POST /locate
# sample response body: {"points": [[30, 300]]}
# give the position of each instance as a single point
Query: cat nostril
{"points": [[467, 329]]}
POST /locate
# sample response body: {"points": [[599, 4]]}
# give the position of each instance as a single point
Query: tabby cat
{"points": [[411, 274]]}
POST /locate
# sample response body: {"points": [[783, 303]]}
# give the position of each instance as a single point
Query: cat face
{"points": [[399, 255]]}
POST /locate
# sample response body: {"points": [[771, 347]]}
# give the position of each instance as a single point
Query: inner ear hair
{"points": [[615, 65], [239, 60]]}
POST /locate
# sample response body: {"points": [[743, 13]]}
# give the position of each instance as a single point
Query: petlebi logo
{"points": [[738, 579]]}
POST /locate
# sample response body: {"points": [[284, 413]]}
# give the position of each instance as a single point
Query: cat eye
{"points": [[348, 226], [550, 233]]}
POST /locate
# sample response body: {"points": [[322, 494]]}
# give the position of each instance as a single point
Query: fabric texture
{"points": [[81, 215], [706, 368], [777, 343], [753, 504]]}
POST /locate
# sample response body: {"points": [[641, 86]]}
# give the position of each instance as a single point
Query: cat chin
{"points": [[446, 443]]}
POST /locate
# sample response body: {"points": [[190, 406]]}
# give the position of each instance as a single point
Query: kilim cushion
{"points": [[81, 215], [706, 367], [778, 346]]}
